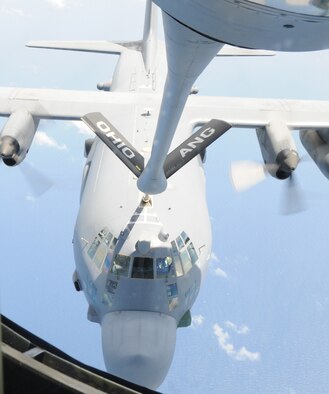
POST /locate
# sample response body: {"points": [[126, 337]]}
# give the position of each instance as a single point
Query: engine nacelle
{"points": [[278, 149], [324, 134], [106, 86], [316, 143], [17, 136]]}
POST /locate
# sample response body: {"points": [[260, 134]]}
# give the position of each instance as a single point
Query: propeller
{"points": [[293, 200], [246, 174], [11, 155], [38, 182]]}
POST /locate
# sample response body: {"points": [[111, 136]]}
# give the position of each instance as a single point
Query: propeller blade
{"points": [[293, 197], [37, 181], [245, 174]]}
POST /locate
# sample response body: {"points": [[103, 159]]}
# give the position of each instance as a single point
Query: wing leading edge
{"points": [[239, 112], [254, 112]]}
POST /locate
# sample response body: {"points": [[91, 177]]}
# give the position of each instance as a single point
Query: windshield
{"points": [[174, 262], [143, 268]]}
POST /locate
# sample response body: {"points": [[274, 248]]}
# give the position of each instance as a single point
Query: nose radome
{"points": [[139, 346]]}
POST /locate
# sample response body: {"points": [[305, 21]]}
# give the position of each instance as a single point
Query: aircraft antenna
{"points": [[150, 36]]}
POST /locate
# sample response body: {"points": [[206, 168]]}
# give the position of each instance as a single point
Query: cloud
{"points": [[64, 3], [42, 139], [218, 271], [213, 257], [242, 354], [57, 3], [30, 198], [197, 321], [223, 338], [239, 330], [12, 11], [82, 128]]}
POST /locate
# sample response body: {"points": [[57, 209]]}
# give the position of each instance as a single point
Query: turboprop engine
{"points": [[278, 149], [316, 143], [280, 161], [17, 136], [279, 155]]}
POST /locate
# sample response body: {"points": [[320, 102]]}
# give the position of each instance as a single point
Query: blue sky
{"points": [[261, 321]]}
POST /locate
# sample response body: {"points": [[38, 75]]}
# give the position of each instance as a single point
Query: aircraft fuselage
{"points": [[278, 25], [136, 254]]}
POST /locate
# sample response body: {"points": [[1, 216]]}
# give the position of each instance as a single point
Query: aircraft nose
{"points": [[139, 346]]}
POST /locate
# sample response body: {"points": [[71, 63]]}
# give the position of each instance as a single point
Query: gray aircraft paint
{"points": [[110, 198], [275, 25]]}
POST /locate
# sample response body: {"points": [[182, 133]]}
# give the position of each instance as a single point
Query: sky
{"points": [[261, 321]]}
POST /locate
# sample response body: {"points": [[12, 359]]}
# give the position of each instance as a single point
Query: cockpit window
{"points": [[180, 243], [108, 238], [164, 267], [93, 248], [121, 265], [184, 254], [142, 268], [103, 232], [186, 261], [178, 264], [185, 237], [101, 245], [192, 253], [113, 243]]}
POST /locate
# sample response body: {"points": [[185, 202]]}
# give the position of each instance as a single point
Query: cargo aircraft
{"points": [[142, 239]]}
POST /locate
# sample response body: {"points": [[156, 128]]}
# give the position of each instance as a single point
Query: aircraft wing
{"points": [[113, 48], [239, 112], [67, 104], [253, 112]]}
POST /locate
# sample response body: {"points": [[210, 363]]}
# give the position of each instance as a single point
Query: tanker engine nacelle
{"points": [[17, 136], [278, 149], [316, 143]]}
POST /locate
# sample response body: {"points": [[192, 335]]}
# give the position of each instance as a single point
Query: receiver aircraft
{"points": [[142, 240]]}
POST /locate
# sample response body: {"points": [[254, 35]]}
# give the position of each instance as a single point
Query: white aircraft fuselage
{"points": [[141, 262], [141, 253], [142, 239]]}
